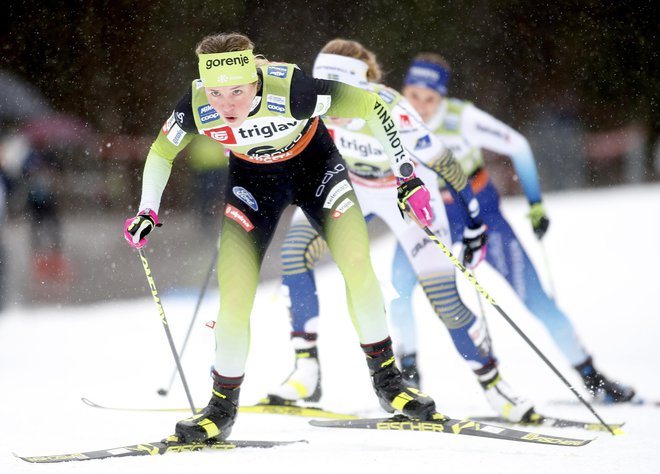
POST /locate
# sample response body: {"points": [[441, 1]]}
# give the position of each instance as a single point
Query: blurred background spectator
{"points": [[32, 173]]}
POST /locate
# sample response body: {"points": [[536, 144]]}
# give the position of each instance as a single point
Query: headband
{"points": [[336, 67], [430, 75], [227, 69]]}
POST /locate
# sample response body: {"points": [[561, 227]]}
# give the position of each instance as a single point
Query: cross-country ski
{"points": [[156, 448], [452, 426]]}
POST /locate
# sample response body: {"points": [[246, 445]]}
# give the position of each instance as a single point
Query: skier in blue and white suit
{"points": [[466, 131]]}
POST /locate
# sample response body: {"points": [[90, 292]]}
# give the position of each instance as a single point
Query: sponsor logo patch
{"points": [[423, 142], [428, 74], [419, 246], [404, 121], [260, 129], [322, 104], [236, 215], [207, 113], [336, 192], [239, 60], [277, 71], [176, 134], [245, 196], [344, 206], [167, 126], [276, 103], [221, 134]]}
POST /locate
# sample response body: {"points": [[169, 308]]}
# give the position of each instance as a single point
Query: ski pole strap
{"points": [[408, 187]]}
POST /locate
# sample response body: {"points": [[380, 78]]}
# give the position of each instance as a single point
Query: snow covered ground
{"points": [[604, 264]]}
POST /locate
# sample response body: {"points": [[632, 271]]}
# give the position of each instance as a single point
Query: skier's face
{"points": [[233, 103], [425, 101]]}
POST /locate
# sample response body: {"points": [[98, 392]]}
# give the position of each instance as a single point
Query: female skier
{"points": [[466, 130], [349, 62], [281, 154]]}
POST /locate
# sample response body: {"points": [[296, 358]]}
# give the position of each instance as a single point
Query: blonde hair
{"points": [[226, 42], [433, 58], [353, 49]]}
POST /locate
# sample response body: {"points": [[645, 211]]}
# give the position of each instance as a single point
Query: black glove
{"points": [[540, 221], [473, 250]]}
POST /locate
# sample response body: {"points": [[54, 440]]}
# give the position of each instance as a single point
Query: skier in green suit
{"points": [[267, 115]]}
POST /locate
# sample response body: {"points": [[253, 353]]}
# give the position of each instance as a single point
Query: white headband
{"points": [[341, 68]]}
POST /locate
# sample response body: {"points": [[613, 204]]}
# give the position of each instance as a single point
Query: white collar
{"points": [[439, 116], [255, 103]]}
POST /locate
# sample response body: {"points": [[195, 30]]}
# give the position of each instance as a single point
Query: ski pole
{"points": [[553, 291], [434, 238], [165, 391], [161, 311], [481, 305]]}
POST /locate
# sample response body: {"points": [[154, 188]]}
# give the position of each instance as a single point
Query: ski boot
{"points": [[304, 383], [215, 421], [602, 389], [393, 394], [409, 370], [501, 397]]}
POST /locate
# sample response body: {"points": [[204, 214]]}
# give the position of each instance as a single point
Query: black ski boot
{"points": [[602, 389], [393, 394], [216, 420], [409, 370]]}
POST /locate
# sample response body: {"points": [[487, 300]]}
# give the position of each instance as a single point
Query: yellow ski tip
{"points": [[618, 431]]}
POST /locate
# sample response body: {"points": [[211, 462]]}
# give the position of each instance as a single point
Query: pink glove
{"points": [[136, 228], [413, 195]]}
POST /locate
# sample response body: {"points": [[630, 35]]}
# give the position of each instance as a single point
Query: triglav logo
{"points": [[367, 148], [259, 132], [266, 131]]}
